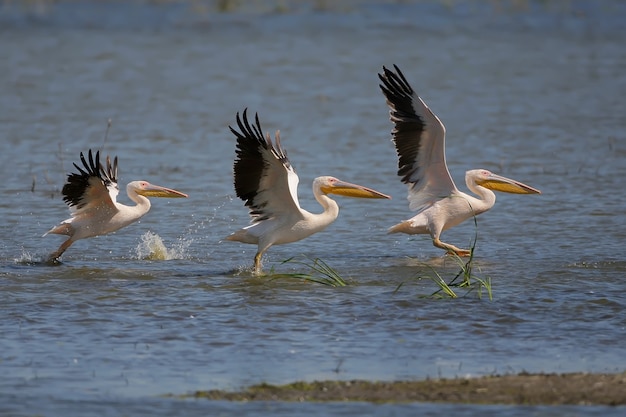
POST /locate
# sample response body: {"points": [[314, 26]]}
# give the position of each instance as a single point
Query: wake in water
{"points": [[28, 258], [153, 248]]}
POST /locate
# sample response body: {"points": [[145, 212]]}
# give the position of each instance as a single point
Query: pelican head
{"points": [[332, 185], [146, 189], [495, 182]]}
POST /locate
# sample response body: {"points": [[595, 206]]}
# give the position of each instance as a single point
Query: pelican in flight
{"points": [[91, 196], [419, 137], [268, 184]]}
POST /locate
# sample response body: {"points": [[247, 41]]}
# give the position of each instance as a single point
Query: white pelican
{"points": [[91, 196], [419, 137], [267, 182]]}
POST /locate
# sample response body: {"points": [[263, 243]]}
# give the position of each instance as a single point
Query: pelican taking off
{"points": [[266, 181], [419, 137], [91, 196]]}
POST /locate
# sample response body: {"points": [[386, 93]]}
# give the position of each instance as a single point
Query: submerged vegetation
{"points": [[465, 279], [470, 281], [319, 272]]}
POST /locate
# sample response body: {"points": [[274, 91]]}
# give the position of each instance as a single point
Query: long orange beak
{"points": [[507, 185], [352, 190], [151, 190]]}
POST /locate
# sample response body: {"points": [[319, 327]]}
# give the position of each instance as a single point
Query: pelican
{"points": [[91, 196], [419, 138], [268, 184]]}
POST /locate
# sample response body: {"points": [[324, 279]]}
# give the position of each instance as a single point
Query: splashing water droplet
{"points": [[25, 258], [153, 248]]}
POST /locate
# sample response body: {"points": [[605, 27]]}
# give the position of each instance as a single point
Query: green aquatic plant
{"points": [[438, 279], [469, 280], [320, 272]]}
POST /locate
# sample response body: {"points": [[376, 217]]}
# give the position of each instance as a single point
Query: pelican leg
{"points": [[54, 256], [451, 248], [257, 263]]}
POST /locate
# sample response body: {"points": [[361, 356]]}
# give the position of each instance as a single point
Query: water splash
{"points": [[197, 231], [152, 247], [198, 225], [27, 258]]}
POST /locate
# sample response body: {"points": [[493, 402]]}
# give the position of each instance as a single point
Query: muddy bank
{"points": [[528, 389]]}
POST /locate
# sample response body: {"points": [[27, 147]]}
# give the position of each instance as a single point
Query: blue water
{"points": [[166, 306]]}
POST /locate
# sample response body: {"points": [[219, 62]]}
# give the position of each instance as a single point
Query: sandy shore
{"points": [[546, 389]]}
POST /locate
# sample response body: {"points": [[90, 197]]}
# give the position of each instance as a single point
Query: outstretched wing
{"points": [[264, 177], [91, 188], [419, 137]]}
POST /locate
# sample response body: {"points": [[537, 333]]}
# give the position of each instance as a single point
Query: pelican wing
{"points": [[264, 177], [109, 176], [91, 188], [419, 137]]}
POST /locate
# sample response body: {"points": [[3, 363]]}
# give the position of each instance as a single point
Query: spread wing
{"points": [[92, 187], [419, 137], [264, 177]]}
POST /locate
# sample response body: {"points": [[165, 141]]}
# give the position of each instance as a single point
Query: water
{"points": [[166, 307]]}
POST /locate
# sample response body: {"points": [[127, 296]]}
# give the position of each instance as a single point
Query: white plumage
{"points": [[266, 181], [91, 195], [419, 138]]}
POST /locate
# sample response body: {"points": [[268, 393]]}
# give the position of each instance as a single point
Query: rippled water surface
{"points": [[166, 307]]}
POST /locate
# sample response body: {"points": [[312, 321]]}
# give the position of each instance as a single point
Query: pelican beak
{"points": [[507, 185], [351, 190], [151, 190]]}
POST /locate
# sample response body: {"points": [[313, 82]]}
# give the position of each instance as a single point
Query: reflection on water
{"points": [[165, 306]]}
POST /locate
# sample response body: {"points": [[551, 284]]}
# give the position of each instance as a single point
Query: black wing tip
{"points": [[94, 168], [409, 125], [246, 131], [91, 165], [77, 183], [394, 83], [254, 152], [109, 173], [248, 165]]}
